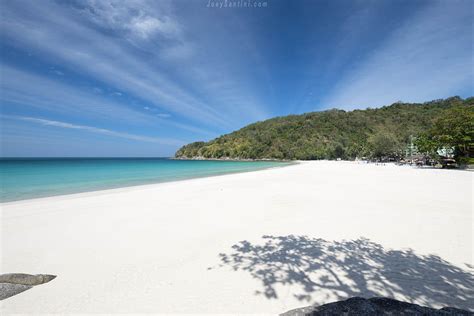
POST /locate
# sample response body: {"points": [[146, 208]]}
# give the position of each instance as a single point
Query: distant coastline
{"points": [[200, 158]]}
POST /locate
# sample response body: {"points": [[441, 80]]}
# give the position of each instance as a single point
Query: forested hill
{"points": [[330, 134]]}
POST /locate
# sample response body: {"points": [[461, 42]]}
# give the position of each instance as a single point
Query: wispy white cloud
{"points": [[164, 115], [97, 130], [136, 18], [57, 72], [154, 111], [23, 138], [203, 86], [34, 91], [103, 57], [428, 57]]}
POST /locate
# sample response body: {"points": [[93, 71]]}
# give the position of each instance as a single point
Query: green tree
{"points": [[454, 128], [384, 144], [426, 145]]}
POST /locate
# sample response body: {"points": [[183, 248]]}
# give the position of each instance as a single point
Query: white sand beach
{"points": [[261, 242]]}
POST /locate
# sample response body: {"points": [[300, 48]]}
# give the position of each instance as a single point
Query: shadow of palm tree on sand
{"points": [[350, 268]]}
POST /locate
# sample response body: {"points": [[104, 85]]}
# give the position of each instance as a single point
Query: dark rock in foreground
{"points": [[9, 289], [26, 279], [15, 283], [373, 306]]}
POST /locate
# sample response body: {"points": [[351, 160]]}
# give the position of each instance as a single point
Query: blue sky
{"points": [[142, 78]]}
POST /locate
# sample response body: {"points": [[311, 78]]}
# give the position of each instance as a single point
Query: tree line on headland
{"points": [[379, 133]]}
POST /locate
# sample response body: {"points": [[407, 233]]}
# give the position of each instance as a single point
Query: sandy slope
{"points": [[332, 230]]}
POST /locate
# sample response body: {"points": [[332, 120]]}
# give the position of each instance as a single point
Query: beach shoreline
{"points": [[139, 186], [37, 192], [174, 247]]}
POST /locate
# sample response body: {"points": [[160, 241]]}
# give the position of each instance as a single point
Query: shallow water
{"points": [[26, 178]]}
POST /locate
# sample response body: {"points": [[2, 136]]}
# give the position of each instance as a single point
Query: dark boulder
{"points": [[14, 283], [373, 306]]}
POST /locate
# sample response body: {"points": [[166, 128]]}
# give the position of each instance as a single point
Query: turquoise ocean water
{"points": [[40, 177]]}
